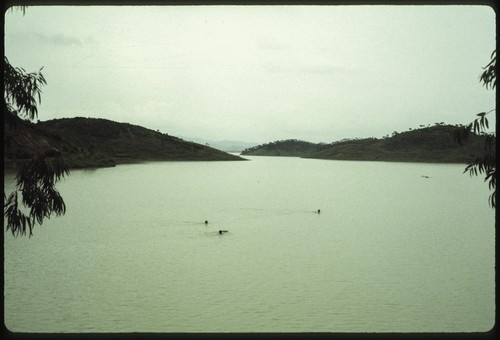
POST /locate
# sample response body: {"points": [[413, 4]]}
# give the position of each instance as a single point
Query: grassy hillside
{"points": [[430, 144], [91, 142]]}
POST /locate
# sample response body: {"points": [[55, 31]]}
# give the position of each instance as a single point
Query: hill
{"points": [[430, 144], [93, 142], [288, 147]]}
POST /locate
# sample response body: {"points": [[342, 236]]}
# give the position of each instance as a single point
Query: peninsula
{"points": [[433, 144], [94, 142]]}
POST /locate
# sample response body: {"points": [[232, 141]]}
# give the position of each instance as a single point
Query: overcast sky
{"points": [[259, 73]]}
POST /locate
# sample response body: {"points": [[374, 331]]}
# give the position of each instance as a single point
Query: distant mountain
{"points": [[430, 144], [92, 142]]}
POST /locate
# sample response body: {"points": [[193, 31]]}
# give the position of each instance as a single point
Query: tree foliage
{"points": [[36, 177], [21, 89], [485, 163]]}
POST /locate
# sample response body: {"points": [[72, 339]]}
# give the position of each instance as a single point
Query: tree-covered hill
{"points": [[428, 144], [93, 142], [288, 147]]}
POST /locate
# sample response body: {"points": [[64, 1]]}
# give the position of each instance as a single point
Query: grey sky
{"points": [[259, 73]]}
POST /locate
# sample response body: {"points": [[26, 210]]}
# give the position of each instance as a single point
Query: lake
{"points": [[390, 250]]}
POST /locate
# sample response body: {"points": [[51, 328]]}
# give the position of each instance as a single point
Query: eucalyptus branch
{"points": [[21, 89]]}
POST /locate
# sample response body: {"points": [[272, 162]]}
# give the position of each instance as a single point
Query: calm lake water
{"points": [[391, 251]]}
